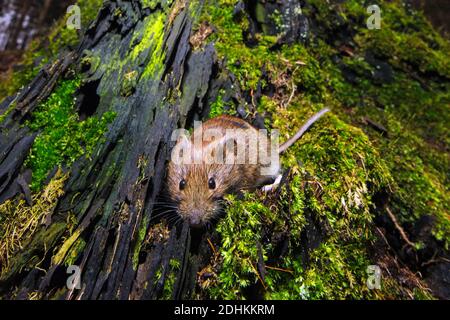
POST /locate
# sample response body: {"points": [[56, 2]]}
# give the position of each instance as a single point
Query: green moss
{"points": [[90, 61], [170, 277], [138, 245], [342, 200], [341, 163], [277, 18], [242, 60], [338, 272], [7, 111], [150, 37], [218, 106], [169, 283], [62, 137], [415, 110], [407, 38], [146, 53], [241, 231], [149, 4], [74, 252]]}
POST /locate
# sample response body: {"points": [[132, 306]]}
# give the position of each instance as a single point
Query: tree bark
{"points": [[113, 194]]}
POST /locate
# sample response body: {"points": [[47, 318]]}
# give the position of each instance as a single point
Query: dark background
{"points": [[438, 11], [21, 21]]}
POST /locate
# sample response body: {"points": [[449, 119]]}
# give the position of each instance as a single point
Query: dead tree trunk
{"points": [[112, 194]]}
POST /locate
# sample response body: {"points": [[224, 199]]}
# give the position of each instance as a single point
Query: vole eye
{"points": [[182, 184], [212, 183]]}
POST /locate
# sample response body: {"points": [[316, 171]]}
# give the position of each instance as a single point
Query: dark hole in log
{"points": [[142, 257], [149, 196], [59, 277], [89, 99], [212, 91], [192, 114], [196, 236], [254, 292], [251, 9]]}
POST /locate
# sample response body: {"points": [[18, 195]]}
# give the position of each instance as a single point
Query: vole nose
{"points": [[195, 218]]}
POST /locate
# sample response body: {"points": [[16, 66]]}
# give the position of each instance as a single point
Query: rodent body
{"points": [[196, 187]]}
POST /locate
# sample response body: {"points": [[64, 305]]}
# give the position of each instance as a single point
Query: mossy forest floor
{"points": [[368, 185]]}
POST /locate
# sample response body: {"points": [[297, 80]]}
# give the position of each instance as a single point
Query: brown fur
{"points": [[197, 202]]}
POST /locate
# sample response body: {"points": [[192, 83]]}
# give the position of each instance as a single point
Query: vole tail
{"points": [[302, 130]]}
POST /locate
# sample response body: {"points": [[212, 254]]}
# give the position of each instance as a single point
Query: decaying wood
{"points": [[112, 195]]}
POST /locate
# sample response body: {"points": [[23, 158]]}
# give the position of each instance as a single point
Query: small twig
{"points": [[433, 261], [280, 269], [252, 95], [376, 126], [399, 228], [211, 245], [257, 273], [294, 88]]}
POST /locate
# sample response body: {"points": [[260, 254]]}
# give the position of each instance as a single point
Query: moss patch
{"points": [[62, 137], [397, 77], [19, 221]]}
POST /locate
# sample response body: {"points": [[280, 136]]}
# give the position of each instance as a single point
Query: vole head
{"points": [[197, 188]]}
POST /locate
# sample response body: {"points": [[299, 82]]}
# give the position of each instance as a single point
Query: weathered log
{"points": [[147, 61], [112, 194]]}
